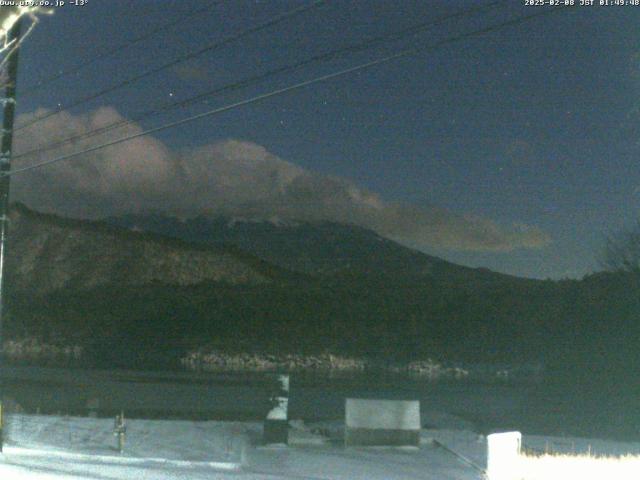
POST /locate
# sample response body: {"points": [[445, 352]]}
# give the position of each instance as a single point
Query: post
{"points": [[503, 451], [120, 431], [9, 107], [93, 405], [276, 425]]}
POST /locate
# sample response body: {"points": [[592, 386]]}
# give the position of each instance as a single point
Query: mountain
{"points": [[138, 299], [49, 253], [325, 248]]}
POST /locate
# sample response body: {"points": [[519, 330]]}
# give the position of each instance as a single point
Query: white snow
{"points": [[279, 411], [62, 448], [284, 382]]}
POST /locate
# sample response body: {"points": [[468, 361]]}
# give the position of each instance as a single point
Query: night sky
{"points": [[533, 129]]}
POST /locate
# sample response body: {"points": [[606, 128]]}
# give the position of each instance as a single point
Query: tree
{"points": [[622, 251]]}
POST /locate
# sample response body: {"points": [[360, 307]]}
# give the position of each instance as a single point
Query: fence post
{"points": [[1, 426], [120, 430], [276, 425], [503, 450], [93, 405]]}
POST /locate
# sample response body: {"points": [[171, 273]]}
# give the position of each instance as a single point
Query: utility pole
{"points": [[9, 108]]}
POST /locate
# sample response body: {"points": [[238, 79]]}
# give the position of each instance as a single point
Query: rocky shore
{"points": [[32, 351], [217, 361]]}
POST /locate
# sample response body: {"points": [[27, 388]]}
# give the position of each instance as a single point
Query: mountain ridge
{"points": [[140, 300], [48, 252], [320, 248]]}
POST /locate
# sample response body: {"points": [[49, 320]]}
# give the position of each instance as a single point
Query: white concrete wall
{"points": [[503, 455], [383, 414]]}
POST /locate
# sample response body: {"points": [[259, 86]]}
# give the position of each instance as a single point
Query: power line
{"points": [[117, 49], [297, 86], [257, 78], [182, 58]]}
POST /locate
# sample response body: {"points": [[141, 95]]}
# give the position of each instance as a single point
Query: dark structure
{"points": [[9, 106], [276, 425]]}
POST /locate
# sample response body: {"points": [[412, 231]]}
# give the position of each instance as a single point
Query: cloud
{"points": [[231, 177]]}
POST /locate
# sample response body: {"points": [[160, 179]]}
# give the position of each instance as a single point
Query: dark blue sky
{"points": [[536, 124]]}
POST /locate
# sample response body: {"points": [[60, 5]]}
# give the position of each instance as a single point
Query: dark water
{"points": [[546, 407]]}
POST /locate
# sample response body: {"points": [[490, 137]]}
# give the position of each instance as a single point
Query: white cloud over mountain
{"points": [[231, 177]]}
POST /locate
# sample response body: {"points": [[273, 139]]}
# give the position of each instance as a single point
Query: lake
{"points": [[544, 407]]}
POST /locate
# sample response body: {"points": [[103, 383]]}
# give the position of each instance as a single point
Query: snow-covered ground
{"points": [[55, 447], [43, 447]]}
